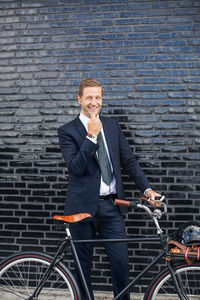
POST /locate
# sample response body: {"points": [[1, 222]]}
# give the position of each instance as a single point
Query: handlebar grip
{"points": [[122, 202], [127, 203]]}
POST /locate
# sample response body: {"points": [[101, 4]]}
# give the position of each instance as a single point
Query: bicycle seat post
{"points": [[67, 226]]}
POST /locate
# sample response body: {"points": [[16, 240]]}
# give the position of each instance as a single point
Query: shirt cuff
{"points": [[146, 191], [94, 140]]}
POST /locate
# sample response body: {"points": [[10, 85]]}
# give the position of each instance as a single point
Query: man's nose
{"points": [[93, 101]]}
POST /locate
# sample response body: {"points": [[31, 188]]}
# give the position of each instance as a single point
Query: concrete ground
{"points": [[109, 296], [98, 296], [64, 296]]}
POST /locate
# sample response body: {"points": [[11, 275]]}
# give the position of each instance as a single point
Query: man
{"points": [[94, 148]]}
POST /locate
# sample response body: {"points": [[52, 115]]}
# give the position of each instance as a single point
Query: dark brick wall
{"points": [[146, 54]]}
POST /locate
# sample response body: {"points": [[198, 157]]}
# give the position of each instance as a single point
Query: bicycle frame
{"points": [[68, 241], [156, 238], [140, 275], [163, 253]]}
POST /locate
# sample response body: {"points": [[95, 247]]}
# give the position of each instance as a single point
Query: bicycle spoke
{"points": [[20, 277], [7, 280], [188, 277]]}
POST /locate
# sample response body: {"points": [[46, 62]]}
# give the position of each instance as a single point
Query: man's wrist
{"points": [[92, 136]]}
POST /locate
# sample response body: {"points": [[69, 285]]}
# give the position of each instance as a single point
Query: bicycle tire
{"points": [[162, 286], [20, 274]]}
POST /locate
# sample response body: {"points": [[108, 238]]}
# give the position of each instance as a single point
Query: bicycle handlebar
{"points": [[155, 214], [134, 204]]}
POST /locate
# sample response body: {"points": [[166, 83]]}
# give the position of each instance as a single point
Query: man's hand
{"points": [[94, 125], [152, 194]]}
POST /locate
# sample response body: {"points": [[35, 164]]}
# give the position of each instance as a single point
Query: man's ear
{"points": [[79, 99]]}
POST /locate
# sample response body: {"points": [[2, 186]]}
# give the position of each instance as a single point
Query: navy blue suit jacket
{"points": [[84, 172]]}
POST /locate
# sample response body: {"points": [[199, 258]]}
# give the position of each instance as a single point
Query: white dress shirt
{"points": [[104, 188]]}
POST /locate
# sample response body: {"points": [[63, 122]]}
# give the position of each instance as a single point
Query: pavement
{"points": [[98, 296], [109, 296]]}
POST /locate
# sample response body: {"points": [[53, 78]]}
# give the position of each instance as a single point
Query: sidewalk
{"points": [[109, 296], [98, 296]]}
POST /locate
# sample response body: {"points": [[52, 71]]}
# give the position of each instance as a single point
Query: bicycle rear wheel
{"points": [[21, 273], [163, 287]]}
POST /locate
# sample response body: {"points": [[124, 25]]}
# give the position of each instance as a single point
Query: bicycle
{"points": [[38, 276]]}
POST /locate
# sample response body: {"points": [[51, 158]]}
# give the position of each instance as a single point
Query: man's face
{"points": [[91, 101]]}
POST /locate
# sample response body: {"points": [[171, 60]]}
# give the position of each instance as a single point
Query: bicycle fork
{"points": [[177, 283]]}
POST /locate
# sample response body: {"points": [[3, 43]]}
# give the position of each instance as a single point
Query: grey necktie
{"points": [[104, 163]]}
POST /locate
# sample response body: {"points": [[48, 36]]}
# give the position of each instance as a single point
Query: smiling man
{"points": [[94, 149]]}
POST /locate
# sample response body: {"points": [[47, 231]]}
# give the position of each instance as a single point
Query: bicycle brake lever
{"points": [[162, 198], [159, 200]]}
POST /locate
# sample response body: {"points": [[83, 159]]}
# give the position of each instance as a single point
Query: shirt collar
{"points": [[84, 120]]}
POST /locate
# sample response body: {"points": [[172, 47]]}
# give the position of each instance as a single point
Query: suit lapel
{"points": [[80, 127]]}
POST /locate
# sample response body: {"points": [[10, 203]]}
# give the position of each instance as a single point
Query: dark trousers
{"points": [[108, 223]]}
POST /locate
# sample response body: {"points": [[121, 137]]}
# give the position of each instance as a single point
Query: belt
{"points": [[107, 197]]}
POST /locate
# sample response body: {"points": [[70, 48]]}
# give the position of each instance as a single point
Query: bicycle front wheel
{"points": [[20, 274], [187, 275]]}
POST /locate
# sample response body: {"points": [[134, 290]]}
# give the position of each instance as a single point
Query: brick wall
{"points": [[146, 55]]}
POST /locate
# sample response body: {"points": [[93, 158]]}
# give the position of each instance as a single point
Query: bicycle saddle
{"points": [[73, 218]]}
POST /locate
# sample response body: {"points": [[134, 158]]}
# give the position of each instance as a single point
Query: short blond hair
{"points": [[88, 82]]}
